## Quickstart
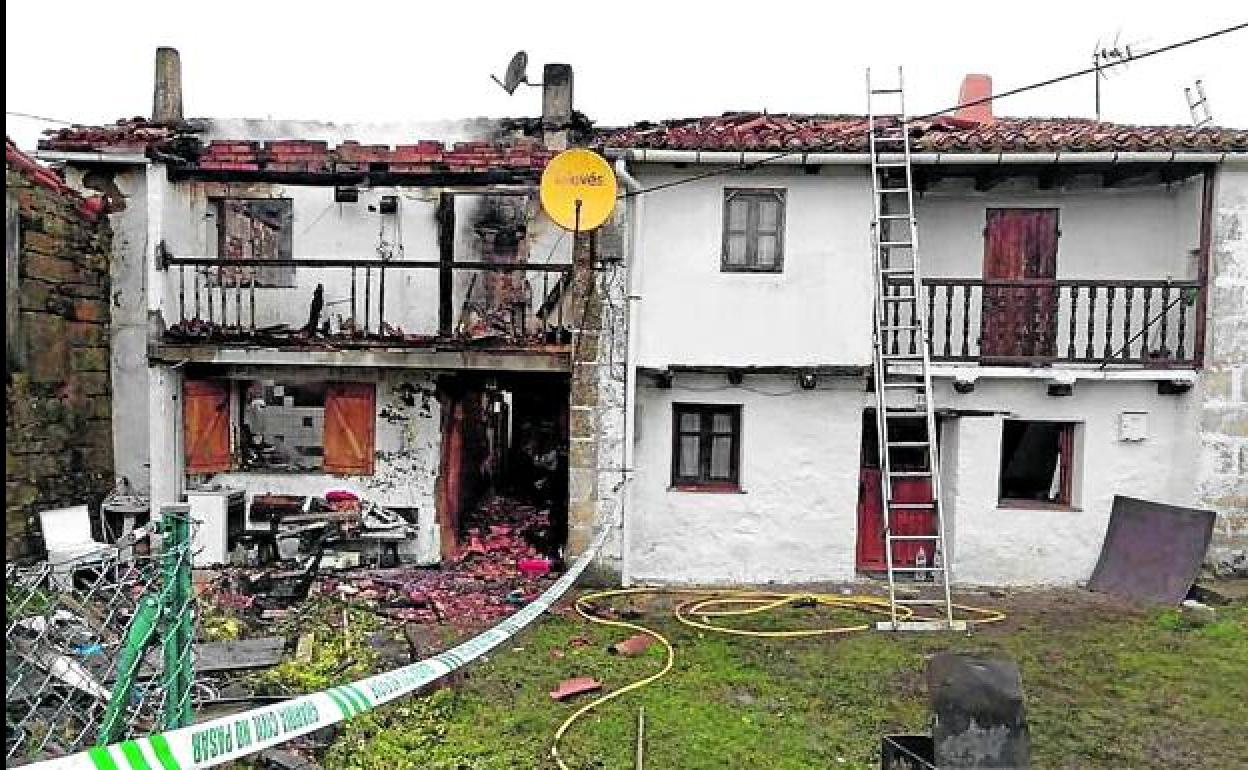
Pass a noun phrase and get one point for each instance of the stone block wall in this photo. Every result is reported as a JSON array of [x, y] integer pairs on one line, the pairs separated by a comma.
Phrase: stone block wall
[[58, 425], [1223, 484]]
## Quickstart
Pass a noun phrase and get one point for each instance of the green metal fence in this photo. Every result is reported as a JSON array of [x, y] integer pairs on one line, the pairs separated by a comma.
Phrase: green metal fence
[[99, 648]]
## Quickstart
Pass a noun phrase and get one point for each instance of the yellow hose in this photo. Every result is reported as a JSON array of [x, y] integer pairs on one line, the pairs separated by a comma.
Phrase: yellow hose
[[721, 604]]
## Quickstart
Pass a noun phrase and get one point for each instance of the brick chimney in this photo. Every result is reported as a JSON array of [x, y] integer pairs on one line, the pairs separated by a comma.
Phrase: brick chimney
[[167, 89], [556, 105], [974, 88]]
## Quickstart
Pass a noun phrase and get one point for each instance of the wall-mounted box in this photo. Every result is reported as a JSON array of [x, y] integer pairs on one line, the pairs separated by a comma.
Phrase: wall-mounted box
[[1133, 426]]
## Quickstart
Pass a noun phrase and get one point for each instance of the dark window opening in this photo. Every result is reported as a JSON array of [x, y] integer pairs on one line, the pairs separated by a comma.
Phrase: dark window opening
[[1036, 462], [904, 458], [753, 231], [282, 426], [254, 229], [706, 446]]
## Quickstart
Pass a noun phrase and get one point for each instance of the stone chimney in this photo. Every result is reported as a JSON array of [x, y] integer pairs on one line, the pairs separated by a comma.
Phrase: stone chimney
[[167, 90], [556, 105], [974, 88]]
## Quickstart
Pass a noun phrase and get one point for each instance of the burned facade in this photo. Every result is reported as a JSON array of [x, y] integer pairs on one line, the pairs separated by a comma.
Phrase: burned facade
[[305, 308]]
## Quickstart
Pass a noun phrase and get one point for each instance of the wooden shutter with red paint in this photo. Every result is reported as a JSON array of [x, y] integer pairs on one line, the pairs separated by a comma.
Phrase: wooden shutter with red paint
[[350, 418], [1020, 293], [206, 425]]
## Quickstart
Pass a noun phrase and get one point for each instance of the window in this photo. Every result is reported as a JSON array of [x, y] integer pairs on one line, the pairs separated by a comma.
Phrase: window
[[753, 230], [1037, 463], [254, 229], [305, 427], [706, 446]]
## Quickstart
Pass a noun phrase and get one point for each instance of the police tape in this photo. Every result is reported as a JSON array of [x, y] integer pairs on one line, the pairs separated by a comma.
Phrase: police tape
[[228, 738]]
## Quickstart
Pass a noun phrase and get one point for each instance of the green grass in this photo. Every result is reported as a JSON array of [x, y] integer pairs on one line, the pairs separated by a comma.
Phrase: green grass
[[1106, 687]]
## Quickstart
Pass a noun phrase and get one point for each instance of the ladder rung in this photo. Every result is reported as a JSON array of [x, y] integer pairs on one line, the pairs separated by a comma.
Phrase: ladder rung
[[903, 356], [917, 506], [899, 298], [893, 189], [886, 91], [898, 328], [921, 602], [904, 385], [918, 569], [910, 474], [907, 443], [907, 244], [921, 625], [894, 216], [892, 164]]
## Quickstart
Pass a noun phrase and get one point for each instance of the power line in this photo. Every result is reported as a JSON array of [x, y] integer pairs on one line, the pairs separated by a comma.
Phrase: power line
[[39, 117], [1042, 84]]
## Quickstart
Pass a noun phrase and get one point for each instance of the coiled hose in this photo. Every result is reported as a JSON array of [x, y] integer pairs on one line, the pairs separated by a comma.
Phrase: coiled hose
[[697, 613]]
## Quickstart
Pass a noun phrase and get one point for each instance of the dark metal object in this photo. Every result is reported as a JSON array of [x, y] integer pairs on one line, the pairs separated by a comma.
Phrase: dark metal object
[[1152, 551], [906, 752], [978, 713]]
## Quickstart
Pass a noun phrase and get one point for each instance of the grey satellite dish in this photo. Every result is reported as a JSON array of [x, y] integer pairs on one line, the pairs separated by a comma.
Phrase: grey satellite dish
[[515, 73]]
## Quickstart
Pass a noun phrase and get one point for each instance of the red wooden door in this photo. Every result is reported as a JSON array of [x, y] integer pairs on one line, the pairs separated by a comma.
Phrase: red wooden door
[[1019, 319], [870, 549]]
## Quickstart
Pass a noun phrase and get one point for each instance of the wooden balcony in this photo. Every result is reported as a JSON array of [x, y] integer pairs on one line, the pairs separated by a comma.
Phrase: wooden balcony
[[1110, 322]]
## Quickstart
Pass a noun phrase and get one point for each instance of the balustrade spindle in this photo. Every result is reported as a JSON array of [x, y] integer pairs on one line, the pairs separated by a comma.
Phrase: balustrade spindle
[[208, 291], [1074, 315], [1165, 321], [251, 290], [238, 299], [195, 275], [1091, 353], [1109, 321], [966, 320], [1126, 323], [948, 320], [182, 292], [931, 314], [381, 300], [1148, 299], [354, 322], [368, 295], [221, 291], [1181, 353]]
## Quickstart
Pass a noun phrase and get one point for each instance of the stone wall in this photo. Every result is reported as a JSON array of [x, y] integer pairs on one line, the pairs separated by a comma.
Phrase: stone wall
[[1224, 421], [58, 434]]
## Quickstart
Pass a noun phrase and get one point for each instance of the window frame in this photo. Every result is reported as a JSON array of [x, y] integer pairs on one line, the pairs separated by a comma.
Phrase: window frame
[[276, 277], [706, 434], [1067, 446], [753, 195]]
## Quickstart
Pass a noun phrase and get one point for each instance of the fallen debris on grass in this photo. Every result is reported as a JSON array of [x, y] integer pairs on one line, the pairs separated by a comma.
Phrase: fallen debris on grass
[[570, 688]]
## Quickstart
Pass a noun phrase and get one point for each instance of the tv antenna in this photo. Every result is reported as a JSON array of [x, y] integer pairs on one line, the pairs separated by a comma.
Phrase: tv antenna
[[1198, 106], [515, 74], [1107, 59]]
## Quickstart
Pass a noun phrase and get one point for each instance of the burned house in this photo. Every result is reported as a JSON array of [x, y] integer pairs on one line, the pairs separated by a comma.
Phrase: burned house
[[378, 311], [302, 308]]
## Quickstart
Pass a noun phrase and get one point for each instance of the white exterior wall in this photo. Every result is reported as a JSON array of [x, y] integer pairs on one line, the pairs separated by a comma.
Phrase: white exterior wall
[[1128, 232], [817, 311], [408, 453], [995, 545], [795, 519]]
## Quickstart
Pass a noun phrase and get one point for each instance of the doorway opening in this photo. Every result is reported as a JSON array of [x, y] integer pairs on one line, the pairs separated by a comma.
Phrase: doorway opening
[[504, 467]]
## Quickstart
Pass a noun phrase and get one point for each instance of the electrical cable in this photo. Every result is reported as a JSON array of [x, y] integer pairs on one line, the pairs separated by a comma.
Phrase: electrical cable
[[39, 117], [698, 610], [995, 97]]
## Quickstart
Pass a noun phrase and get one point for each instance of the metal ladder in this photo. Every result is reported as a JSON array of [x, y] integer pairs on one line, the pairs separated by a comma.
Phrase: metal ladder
[[903, 382]]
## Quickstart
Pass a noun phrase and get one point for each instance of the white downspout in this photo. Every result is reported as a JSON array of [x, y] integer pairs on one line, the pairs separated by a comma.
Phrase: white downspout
[[632, 293]]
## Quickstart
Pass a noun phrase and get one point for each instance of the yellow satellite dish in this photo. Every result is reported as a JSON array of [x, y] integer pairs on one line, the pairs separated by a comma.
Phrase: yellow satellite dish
[[578, 190]]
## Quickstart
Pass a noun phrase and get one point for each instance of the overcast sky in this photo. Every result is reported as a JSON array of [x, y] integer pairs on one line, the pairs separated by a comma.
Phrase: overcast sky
[[92, 62]]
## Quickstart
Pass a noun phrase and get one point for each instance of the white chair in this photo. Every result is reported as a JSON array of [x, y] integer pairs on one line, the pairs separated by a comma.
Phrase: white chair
[[67, 539]]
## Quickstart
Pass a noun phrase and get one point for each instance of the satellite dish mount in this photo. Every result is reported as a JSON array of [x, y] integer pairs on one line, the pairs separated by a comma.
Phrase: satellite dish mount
[[515, 74]]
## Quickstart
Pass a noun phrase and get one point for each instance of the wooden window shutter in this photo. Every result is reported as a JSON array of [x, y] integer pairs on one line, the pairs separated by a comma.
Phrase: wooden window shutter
[[206, 425], [350, 419]]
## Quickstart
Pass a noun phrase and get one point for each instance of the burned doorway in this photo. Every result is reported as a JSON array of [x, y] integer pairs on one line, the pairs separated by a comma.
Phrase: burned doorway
[[870, 555], [504, 468]]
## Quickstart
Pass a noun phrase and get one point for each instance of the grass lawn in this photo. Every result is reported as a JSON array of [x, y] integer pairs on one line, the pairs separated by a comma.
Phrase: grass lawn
[[1107, 686]]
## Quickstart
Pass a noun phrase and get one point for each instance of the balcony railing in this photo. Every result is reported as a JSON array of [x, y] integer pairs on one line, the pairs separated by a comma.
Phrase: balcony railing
[[365, 302], [1115, 322]]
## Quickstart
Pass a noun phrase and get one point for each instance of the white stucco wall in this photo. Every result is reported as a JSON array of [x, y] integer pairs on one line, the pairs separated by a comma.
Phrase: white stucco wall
[[1012, 546], [408, 453], [1127, 232], [795, 519], [817, 311]]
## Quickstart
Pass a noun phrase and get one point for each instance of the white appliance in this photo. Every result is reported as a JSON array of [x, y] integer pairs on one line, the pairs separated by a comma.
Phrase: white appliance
[[216, 515], [68, 541]]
